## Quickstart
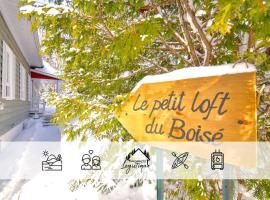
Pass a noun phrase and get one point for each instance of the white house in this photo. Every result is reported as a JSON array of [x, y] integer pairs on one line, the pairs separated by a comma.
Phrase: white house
[[20, 68]]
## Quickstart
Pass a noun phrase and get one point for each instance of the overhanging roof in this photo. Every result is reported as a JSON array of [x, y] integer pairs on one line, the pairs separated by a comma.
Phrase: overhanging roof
[[41, 75], [47, 72], [27, 41]]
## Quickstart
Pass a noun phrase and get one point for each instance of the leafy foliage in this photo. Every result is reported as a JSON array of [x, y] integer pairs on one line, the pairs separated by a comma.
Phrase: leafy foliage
[[107, 46], [260, 188]]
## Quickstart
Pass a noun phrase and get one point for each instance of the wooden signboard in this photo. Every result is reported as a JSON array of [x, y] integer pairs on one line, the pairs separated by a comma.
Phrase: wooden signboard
[[195, 104]]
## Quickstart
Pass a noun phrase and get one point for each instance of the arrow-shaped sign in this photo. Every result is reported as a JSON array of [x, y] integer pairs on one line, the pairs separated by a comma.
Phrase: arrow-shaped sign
[[194, 104]]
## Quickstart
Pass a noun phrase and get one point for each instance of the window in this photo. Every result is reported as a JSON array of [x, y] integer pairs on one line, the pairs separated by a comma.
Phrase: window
[[9, 68], [22, 83], [29, 88]]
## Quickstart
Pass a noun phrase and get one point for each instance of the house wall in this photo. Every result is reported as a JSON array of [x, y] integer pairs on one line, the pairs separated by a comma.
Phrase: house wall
[[15, 111]]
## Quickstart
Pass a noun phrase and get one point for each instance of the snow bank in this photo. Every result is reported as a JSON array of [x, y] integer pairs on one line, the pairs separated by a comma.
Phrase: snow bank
[[197, 72]]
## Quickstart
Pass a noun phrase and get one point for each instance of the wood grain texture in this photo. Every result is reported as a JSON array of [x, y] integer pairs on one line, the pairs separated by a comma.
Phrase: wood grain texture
[[239, 122]]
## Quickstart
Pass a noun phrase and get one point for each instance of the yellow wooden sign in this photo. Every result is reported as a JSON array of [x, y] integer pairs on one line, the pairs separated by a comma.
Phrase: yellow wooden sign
[[196, 104]]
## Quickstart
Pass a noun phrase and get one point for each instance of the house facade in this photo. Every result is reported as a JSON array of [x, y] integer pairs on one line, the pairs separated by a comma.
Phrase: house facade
[[19, 51]]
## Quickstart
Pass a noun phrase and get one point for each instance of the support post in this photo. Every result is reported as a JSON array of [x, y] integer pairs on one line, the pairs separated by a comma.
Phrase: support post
[[227, 188], [228, 183], [160, 180]]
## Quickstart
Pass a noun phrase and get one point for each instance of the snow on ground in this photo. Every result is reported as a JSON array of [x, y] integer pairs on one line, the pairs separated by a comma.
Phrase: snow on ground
[[59, 189], [33, 131], [37, 132], [44, 188]]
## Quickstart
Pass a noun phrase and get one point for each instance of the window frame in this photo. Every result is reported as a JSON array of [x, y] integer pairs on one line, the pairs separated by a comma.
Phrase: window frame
[[22, 83], [8, 73], [30, 86]]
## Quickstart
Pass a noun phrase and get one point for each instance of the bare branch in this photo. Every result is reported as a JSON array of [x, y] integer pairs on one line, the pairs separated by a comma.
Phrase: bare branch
[[163, 69], [173, 50], [206, 43], [169, 43], [133, 73], [251, 40], [108, 30], [187, 34], [175, 33], [259, 94]]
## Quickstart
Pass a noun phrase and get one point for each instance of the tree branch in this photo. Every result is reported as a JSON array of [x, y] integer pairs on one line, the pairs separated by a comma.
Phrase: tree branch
[[169, 43], [177, 35], [133, 73], [163, 69], [251, 40], [206, 43], [108, 30], [167, 47], [187, 34]]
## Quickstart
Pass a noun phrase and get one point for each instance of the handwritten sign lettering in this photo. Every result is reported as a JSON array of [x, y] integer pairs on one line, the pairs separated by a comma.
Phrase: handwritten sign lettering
[[196, 109]]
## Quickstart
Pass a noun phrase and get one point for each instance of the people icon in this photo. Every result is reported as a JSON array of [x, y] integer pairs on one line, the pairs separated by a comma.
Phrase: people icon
[[86, 159], [90, 163], [96, 163]]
